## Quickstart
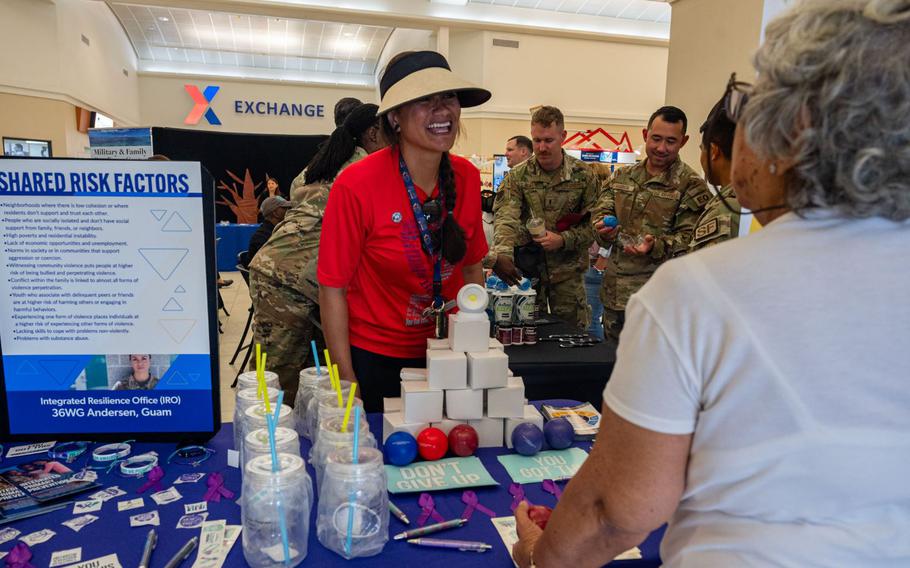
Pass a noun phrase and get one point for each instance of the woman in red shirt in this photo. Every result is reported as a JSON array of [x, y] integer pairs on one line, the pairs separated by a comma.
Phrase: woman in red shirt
[[402, 231]]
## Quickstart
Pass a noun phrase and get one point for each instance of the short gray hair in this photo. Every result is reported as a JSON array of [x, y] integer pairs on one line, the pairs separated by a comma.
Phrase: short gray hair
[[840, 71]]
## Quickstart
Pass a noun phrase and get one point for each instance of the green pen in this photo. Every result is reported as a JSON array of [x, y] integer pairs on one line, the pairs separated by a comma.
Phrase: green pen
[[430, 529]]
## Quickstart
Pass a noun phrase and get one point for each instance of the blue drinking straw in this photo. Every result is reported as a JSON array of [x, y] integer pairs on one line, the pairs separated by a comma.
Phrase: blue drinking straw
[[354, 460], [315, 356], [271, 423]]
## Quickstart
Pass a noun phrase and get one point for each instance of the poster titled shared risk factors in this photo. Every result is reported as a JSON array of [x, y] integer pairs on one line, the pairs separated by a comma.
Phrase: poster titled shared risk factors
[[103, 313]]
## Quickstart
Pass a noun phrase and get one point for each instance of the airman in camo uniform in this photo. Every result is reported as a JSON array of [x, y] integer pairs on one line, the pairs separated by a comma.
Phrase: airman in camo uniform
[[657, 202], [560, 190]]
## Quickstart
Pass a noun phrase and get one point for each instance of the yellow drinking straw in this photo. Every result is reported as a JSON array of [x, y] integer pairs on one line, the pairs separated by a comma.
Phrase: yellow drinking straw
[[258, 370], [328, 364], [265, 390], [338, 386], [347, 412]]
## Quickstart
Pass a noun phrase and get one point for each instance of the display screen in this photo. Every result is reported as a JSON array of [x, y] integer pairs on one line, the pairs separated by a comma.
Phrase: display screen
[[107, 310], [22, 147]]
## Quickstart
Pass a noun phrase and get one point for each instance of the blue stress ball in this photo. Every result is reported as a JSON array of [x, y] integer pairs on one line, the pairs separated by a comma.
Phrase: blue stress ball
[[527, 439], [610, 221], [400, 449], [559, 433]]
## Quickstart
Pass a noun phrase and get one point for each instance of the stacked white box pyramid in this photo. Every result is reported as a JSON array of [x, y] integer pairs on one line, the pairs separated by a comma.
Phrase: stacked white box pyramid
[[467, 381]]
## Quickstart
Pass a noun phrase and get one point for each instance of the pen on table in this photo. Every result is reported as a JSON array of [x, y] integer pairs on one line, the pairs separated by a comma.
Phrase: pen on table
[[399, 514], [182, 553], [429, 529], [467, 545], [150, 541]]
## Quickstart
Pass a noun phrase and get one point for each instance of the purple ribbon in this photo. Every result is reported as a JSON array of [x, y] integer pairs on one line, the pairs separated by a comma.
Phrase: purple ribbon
[[217, 489], [552, 488], [154, 480], [19, 556], [428, 510], [518, 495], [470, 499]]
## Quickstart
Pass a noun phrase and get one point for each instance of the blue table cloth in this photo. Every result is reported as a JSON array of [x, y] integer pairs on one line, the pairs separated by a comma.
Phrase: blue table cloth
[[112, 533], [232, 239]]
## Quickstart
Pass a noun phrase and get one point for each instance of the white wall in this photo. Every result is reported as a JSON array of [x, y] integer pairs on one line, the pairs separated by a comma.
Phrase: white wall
[[44, 55], [163, 101]]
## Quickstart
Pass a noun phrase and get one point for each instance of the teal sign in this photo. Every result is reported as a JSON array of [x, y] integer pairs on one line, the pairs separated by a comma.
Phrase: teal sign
[[553, 464], [452, 473]]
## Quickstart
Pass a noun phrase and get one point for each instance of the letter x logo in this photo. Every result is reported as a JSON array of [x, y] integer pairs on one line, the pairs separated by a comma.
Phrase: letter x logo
[[202, 101]]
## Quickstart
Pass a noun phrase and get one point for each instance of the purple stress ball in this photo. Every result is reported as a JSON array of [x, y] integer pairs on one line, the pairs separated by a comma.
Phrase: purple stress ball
[[527, 439], [400, 449], [610, 221], [559, 433]]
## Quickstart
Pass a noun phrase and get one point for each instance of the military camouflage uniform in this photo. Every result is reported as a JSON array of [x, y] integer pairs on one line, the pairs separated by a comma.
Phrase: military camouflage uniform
[[283, 284], [665, 206], [529, 191], [130, 383], [298, 191], [717, 223]]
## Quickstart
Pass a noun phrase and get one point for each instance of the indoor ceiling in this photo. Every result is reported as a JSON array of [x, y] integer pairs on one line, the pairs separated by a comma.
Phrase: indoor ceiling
[[639, 10]]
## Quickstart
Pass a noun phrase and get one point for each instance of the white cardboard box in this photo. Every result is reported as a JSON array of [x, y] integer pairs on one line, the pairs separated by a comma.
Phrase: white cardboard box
[[495, 344], [391, 404], [507, 402], [464, 404], [394, 422], [437, 343], [413, 374], [468, 335], [489, 431], [532, 416], [446, 369], [420, 403], [488, 370], [447, 424]]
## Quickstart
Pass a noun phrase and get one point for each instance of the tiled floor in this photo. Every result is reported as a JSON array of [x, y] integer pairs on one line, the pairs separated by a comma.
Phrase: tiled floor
[[237, 300]]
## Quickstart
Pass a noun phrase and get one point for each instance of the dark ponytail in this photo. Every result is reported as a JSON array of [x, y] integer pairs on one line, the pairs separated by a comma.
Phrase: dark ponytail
[[454, 246], [340, 146]]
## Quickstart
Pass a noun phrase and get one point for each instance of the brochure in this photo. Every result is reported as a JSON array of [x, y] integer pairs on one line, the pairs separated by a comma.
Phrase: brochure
[[37, 487]]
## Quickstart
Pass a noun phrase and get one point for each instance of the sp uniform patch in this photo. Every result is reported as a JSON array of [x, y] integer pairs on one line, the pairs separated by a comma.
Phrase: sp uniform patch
[[706, 230]]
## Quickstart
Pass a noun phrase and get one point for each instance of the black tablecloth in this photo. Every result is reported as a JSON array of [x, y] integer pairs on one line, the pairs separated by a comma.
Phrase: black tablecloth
[[550, 371]]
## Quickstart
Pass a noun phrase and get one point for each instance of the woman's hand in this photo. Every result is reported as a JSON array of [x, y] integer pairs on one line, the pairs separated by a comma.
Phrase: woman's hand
[[528, 535]]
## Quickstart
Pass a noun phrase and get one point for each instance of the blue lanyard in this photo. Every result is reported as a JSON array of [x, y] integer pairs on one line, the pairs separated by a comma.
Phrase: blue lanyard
[[423, 226]]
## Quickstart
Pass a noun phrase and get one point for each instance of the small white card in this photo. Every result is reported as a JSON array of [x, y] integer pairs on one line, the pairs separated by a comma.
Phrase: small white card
[[64, 557], [169, 495], [189, 478], [115, 491], [8, 534], [130, 504], [89, 506], [142, 519], [34, 538], [199, 507], [192, 521], [233, 458], [86, 475], [107, 494], [109, 561], [29, 449], [78, 523]]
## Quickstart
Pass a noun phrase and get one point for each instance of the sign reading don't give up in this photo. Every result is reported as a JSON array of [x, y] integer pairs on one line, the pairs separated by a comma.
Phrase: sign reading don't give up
[[452, 473]]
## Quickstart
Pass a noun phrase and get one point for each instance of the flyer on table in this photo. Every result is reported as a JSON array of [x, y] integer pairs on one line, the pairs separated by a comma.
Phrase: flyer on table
[[104, 323]]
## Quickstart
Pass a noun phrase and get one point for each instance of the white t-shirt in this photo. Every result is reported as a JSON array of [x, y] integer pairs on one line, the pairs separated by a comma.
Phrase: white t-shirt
[[786, 354]]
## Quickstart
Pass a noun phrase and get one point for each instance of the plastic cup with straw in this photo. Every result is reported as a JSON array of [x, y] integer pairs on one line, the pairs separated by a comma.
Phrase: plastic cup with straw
[[263, 389], [347, 412], [354, 459], [315, 356], [271, 423], [338, 386]]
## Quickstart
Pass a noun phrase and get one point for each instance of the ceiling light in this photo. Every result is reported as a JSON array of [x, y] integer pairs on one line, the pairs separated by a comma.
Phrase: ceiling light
[[450, 2], [163, 19], [344, 44]]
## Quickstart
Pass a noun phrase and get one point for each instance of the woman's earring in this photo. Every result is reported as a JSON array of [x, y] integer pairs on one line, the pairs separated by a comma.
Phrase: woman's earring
[[773, 169]]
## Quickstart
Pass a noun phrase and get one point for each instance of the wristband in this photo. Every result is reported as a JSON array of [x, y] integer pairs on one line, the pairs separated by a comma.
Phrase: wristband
[[138, 466], [68, 451], [111, 452], [190, 455]]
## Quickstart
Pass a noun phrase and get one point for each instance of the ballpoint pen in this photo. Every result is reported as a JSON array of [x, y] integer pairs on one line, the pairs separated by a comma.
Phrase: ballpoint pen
[[467, 545], [182, 553], [430, 529], [150, 541], [399, 514]]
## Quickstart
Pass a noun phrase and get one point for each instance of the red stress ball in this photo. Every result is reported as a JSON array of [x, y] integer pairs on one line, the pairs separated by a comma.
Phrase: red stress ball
[[540, 515], [463, 440], [432, 444]]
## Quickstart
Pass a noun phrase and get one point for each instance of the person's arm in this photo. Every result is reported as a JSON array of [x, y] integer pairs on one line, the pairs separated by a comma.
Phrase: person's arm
[[676, 241], [333, 306], [629, 486], [473, 274], [508, 232], [604, 236]]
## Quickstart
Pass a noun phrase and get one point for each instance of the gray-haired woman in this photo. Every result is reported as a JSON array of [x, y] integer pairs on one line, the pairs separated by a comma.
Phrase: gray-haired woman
[[760, 398]]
